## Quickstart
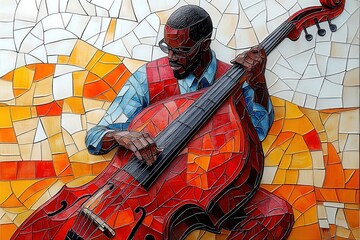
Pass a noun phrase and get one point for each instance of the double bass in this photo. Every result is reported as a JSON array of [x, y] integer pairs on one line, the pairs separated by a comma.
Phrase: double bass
[[172, 197]]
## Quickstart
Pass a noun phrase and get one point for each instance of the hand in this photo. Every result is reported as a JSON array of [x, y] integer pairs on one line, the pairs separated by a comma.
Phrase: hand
[[254, 62], [141, 144]]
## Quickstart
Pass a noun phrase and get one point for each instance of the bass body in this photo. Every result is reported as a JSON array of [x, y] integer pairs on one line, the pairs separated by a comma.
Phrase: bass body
[[200, 188]]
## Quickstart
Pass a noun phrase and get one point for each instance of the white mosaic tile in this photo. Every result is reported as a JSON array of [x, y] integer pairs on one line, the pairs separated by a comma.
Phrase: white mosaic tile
[[106, 4], [232, 7], [71, 122], [227, 28], [142, 52], [40, 53], [27, 10], [141, 9], [57, 35], [63, 47], [274, 9], [40, 134], [63, 86], [156, 5], [127, 11], [269, 174], [93, 28], [78, 24], [144, 30], [6, 90], [7, 10], [55, 21]]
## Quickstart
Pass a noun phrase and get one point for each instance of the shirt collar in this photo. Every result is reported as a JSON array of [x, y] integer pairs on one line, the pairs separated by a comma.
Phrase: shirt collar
[[209, 73]]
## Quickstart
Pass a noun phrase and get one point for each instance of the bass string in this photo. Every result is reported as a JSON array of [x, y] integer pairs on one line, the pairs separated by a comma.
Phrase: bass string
[[117, 172], [268, 44], [114, 198]]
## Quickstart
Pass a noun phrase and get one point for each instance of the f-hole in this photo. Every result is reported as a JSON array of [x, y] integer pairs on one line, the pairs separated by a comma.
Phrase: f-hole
[[63, 206], [133, 231]]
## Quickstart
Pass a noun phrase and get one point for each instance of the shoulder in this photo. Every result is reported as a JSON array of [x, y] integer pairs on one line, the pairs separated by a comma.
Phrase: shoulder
[[161, 62]]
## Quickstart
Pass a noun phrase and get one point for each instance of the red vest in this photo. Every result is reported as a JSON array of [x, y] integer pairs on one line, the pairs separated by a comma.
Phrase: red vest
[[161, 80]]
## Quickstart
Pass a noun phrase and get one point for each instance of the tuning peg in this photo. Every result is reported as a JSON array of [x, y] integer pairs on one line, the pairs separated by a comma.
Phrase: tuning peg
[[320, 31], [332, 26], [308, 36]]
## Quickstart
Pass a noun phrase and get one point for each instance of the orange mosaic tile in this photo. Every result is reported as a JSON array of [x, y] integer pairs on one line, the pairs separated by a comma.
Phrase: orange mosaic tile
[[43, 71], [73, 105], [309, 232], [50, 109], [7, 135], [7, 230]]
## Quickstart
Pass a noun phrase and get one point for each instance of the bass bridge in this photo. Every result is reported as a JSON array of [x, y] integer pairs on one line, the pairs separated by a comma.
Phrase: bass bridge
[[94, 219]]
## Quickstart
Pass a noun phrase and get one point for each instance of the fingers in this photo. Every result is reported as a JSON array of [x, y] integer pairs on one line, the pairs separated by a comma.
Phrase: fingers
[[142, 145]]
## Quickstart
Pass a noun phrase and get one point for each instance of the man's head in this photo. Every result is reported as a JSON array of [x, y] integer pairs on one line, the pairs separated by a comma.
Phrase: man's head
[[187, 40]]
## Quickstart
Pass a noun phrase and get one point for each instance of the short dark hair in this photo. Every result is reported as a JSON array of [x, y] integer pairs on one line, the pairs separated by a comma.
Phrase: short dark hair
[[193, 17]]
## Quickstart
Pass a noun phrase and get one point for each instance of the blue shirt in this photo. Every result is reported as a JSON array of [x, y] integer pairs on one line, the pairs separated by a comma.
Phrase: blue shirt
[[134, 97]]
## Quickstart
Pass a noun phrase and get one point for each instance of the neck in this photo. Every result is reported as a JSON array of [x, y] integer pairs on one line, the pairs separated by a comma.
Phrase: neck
[[204, 63]]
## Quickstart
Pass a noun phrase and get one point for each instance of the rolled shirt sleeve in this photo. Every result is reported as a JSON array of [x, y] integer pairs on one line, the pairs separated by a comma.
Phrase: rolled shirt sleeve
[[132, 98], [261, 117]]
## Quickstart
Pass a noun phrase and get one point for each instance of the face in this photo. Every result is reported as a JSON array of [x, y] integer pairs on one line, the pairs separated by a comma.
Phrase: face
[[184, 54]]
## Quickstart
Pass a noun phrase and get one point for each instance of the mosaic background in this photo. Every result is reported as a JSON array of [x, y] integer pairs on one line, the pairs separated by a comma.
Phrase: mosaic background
[[58, 60]]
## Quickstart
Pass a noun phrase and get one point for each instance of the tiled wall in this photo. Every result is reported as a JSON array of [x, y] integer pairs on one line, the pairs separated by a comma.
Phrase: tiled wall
[[58, 60]]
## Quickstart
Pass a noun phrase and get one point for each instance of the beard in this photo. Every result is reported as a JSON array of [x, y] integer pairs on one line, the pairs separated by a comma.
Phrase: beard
[[194, 63]]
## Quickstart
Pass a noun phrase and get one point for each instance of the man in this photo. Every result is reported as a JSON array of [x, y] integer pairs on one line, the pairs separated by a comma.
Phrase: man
[[189, 66]]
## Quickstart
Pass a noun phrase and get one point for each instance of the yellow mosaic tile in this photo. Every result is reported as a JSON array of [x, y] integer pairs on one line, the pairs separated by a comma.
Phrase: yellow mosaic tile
[[21, 217], [73, 105], [20, 186], [291, 176], [301, 161], [310, 216], [285, 161], [23, 78], [297, 145], [5, 119], [110, 58], [274, 157], [301, 125], [51, 124], [110, 33], [6, 191], [102, 69], [315, 119], [82, 54], [20, 113], [57, 144], [80, 181], [279, 176], [98, 54], [79, 78]]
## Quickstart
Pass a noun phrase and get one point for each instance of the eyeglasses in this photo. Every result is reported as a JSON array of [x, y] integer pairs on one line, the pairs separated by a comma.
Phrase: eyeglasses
[[180, 50]]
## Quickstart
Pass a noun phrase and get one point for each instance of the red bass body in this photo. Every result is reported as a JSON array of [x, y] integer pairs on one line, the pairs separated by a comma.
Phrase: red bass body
[[213, 176]]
